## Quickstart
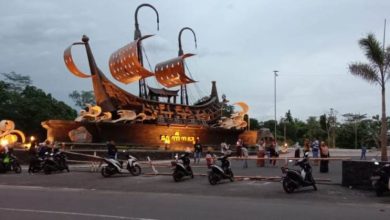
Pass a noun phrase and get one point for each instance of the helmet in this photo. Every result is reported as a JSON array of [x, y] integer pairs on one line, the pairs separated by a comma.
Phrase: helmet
[[306, 154]]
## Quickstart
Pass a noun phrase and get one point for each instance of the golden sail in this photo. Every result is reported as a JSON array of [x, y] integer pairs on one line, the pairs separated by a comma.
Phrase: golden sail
[[124, 63], [171, 73], [70, 64]]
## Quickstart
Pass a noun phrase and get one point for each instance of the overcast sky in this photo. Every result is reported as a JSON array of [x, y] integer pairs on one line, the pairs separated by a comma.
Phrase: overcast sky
[[240, 43]]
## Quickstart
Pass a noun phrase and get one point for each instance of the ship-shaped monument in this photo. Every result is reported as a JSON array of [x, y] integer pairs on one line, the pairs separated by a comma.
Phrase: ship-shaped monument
[[155, 117]]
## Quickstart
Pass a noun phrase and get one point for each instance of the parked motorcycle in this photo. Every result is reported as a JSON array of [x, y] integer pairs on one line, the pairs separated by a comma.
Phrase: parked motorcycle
[[219, 173], [54, 162], [380, 179], [9, 163], [36, 165], [181, 169], [294, 179], [115, 166]]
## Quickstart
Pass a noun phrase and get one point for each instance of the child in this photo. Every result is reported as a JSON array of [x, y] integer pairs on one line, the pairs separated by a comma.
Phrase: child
[[209, 159]]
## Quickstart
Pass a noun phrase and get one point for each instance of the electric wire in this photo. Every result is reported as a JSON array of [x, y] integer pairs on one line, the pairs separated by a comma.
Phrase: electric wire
[[199, 91], [155, 83]]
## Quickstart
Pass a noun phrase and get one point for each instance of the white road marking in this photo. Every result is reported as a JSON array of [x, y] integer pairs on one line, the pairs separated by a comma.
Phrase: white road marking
[[72, 213]]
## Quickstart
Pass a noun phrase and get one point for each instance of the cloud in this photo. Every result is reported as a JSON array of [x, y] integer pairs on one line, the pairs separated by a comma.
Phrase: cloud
[[311, 43]]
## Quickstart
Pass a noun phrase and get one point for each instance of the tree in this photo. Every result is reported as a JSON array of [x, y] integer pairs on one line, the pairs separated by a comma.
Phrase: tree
[[314, 129], [355, 120], [331, 126], [254, 124], [35, 102], [345, 135], [325, 125], [82, 98], [16, 82], [28, 106], [289, 117], [270, 124], [376, 72], [370, 130]]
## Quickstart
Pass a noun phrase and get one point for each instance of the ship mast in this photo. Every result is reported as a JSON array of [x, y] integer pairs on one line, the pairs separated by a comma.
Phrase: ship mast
[[183, 88], [137, 35]]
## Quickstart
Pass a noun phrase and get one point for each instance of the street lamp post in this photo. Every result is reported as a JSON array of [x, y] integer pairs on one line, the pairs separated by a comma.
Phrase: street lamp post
[[284, 132], [275, 75]]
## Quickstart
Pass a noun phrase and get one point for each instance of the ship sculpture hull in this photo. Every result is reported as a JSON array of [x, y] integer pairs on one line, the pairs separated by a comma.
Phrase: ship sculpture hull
[[146, 135]]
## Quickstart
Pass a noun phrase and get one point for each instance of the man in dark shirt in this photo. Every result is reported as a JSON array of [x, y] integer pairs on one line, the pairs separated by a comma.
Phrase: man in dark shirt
[[112, 150], [197, 151]]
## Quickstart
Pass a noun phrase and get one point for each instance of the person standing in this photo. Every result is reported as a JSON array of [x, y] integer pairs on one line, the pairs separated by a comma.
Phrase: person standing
[[224, 148], [260, 154], [209, 159], [315, 147], [32, 153], [112, 151], [197, 151], [297, 152], [238, 147], [43, 148], [306, 146], [245, 155], [272, 153], [324, 152], [363, 152]]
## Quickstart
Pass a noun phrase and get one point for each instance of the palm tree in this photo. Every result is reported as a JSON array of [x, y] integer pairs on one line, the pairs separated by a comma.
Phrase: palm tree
[[375, 72]]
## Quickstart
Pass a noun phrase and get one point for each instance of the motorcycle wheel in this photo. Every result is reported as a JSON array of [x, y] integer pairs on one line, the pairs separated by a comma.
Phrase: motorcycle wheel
[[2, 168], [288, 186], [177, 175], [135, 170], [17, 168], [378, 190], [213, 178], [36, 169], [314, 184], [47, 170], [105, 172], [231, 176]]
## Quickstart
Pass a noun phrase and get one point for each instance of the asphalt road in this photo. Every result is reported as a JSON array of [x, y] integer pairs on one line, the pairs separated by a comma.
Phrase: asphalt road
[[86, 195], [69, 203]]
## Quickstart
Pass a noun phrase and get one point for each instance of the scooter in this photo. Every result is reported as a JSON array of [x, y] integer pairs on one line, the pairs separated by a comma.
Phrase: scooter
[[115, 166], [10, 163], [54, 162], [181, 169], [294, 179], [380, 179], [218, 173], [37, 164]]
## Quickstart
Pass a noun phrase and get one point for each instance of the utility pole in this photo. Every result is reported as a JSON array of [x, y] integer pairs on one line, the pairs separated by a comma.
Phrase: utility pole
[[275, 75], [384, 36], [284, 125]]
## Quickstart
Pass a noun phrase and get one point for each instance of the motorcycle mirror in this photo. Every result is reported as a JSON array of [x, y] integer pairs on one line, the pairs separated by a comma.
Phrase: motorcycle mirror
[[375, 161]]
